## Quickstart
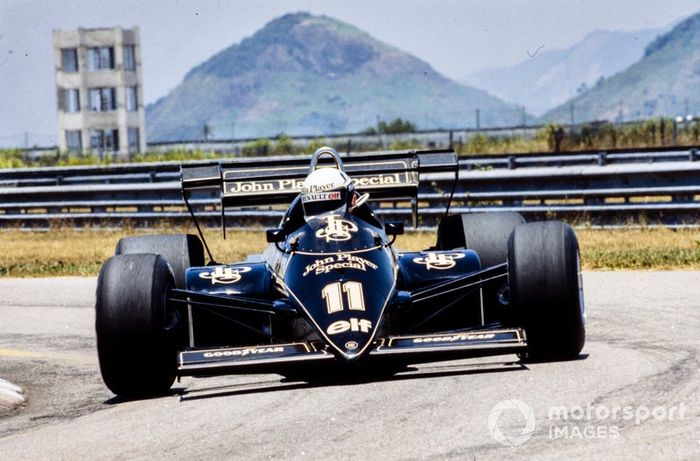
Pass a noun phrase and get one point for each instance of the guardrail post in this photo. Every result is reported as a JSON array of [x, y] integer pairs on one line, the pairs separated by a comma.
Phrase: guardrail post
[[693, 155], [512, 162], [602, 158], [675, 132]]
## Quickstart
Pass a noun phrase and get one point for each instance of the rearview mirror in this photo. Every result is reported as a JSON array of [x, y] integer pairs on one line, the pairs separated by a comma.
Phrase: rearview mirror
[[275, 235], [393, 227]]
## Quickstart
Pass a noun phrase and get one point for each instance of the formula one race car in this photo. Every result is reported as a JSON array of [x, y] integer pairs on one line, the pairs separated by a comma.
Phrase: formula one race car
[[331, 293]]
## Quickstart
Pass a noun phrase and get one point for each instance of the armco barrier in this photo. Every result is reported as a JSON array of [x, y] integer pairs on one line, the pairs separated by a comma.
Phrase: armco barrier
[[661, 187]]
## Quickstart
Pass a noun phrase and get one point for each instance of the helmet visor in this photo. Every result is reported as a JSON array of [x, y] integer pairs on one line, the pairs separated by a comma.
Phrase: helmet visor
[[321, 203]]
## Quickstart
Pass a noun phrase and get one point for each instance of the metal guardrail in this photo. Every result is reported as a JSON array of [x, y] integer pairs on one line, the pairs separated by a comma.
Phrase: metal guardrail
[[169, 171], [654, 186]]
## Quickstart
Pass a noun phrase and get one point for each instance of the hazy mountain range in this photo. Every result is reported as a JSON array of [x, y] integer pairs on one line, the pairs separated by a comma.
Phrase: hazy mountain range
[[552, 76], [313, 75], [306, 74], [664, 82]]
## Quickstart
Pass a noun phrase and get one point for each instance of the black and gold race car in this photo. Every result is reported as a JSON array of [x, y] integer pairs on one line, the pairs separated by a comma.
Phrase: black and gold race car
[[332, 293]]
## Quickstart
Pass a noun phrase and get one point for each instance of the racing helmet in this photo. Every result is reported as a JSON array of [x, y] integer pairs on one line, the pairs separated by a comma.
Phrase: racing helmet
[[326, 191]]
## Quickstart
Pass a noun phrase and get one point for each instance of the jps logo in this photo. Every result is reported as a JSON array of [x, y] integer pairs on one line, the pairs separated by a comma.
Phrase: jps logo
[[341, 326], [224, 275], [336, 230], [439, 261]]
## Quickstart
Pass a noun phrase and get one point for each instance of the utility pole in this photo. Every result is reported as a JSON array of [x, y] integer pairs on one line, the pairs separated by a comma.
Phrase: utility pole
[[206, 131], [622, 114], [571, 109], [478, 119]]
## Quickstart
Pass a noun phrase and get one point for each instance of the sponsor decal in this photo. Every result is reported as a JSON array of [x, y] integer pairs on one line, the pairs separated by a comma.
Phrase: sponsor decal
[[339, 261], [244, 352], [356, 325], [453, 338], [351, 345], [317, 188], [224, 275], [256, 187], [320, 196], [336, 230], [296, 185], [378, 180], [439, 261]]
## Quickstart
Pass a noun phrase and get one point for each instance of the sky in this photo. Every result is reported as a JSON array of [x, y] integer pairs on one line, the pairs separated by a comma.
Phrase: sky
[[457, 37]]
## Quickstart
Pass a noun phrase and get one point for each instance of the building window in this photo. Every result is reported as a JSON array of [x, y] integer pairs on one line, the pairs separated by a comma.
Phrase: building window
[[129, 58], [69, 60], [104, 140], [74, 142], [100, 58], [71, 100], [134, 145], [102, 99], [132, 102]]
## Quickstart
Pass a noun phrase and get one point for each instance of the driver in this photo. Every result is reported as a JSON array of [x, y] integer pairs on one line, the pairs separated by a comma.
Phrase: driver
[[327, 191]]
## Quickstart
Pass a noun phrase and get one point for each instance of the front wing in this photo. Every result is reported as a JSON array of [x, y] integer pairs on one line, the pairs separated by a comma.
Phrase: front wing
[[403, 350]]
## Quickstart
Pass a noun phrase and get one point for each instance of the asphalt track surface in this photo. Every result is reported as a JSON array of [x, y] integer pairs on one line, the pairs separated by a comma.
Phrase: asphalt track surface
[[640, 362]]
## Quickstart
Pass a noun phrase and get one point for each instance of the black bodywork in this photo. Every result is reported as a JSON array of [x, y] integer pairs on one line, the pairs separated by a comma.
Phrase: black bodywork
[[334, 291]]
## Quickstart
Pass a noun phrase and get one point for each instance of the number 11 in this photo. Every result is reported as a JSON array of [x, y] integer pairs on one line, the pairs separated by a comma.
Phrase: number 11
[[333, 295]]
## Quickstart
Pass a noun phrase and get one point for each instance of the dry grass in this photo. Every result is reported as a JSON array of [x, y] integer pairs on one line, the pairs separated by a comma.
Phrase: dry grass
[[645, 248], [81, 252]]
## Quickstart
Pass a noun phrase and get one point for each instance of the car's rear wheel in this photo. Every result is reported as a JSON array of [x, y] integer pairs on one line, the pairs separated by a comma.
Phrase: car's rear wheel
[[136, 346], [485, 233], [544, 273], [181, 251]]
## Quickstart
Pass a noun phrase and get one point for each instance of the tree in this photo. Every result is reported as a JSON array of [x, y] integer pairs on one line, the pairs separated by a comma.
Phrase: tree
[[397, 125]]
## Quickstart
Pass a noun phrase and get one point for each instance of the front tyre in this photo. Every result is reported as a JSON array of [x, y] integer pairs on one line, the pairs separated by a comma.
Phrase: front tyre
[[181, 251], [136, 350], [544, 273], [485, 233]]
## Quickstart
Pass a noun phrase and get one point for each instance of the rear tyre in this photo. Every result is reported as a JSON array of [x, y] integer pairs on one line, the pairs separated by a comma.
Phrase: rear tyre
[[485, 233], [544, 273], [179, 250], [136, 349]]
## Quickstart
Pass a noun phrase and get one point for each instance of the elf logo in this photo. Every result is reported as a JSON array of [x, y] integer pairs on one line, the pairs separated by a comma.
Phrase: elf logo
[[356, 325]]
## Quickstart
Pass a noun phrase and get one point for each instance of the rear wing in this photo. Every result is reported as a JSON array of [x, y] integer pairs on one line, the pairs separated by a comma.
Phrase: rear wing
[[386, 176]]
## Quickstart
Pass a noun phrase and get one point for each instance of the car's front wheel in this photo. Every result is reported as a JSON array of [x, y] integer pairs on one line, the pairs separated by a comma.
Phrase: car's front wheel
[[485, 233], [181, 251], [546, 292], [136, 346]]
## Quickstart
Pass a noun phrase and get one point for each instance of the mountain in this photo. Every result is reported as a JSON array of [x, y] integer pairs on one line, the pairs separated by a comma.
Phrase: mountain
[[551, 77], [313, 75], [662, 83]]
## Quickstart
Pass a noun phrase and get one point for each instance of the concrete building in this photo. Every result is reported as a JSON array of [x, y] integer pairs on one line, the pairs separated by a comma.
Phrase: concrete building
[[100, 92]]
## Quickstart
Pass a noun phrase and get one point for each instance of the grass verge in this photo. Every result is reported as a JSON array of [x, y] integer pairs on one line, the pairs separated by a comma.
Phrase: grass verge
[[61, 252]]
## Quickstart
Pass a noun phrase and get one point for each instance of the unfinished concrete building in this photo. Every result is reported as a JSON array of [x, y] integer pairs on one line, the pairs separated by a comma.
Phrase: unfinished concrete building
[[100, 92]]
